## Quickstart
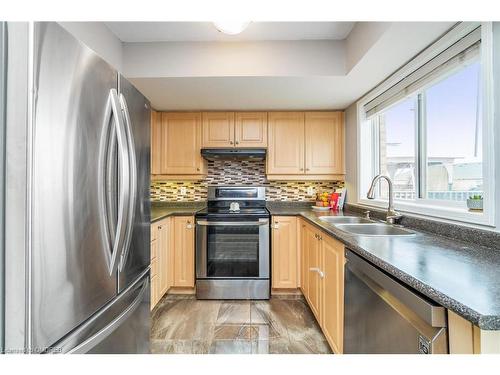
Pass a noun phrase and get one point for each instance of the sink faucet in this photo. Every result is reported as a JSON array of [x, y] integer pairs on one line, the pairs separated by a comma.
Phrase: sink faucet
[[392, 215]]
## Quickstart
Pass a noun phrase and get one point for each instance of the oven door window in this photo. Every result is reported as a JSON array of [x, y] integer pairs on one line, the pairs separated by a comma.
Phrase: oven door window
[[233, 251]]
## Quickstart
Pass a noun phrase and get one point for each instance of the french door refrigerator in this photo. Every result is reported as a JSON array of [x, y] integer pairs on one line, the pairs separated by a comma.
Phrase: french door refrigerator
[[86, 274]]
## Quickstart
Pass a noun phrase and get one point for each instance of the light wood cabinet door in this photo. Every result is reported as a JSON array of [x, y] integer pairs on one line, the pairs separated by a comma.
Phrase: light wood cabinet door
[[332, 313], [286, 143], [314, 279], [324, 135], [250, 129], [284, 252], [155, 142], [163, 256], [305, 233], [181, 143], [154, 291], [184, 251], [218, 129]]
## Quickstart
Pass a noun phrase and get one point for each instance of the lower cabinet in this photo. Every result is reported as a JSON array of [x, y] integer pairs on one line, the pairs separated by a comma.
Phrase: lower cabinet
[[332, 295], [184, 251], [284, 252], [172, 255], [161, 259], [322, 281]]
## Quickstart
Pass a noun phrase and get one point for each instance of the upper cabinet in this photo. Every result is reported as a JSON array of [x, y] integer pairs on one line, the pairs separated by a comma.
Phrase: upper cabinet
[[250, 129], [176, 145], [218, 129], [306, 146], [324, 142], [155, 142], [286, 143], [230, 129], [300, 145]]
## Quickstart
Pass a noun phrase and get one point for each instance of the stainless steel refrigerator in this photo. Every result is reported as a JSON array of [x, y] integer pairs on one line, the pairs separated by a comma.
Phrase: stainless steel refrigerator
[[82, 255]]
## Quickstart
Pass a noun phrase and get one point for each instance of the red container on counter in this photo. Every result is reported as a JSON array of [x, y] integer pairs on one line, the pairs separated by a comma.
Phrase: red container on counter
[[334, 201]]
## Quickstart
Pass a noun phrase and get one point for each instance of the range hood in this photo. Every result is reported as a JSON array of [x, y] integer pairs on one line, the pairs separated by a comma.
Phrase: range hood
[[233, 153]]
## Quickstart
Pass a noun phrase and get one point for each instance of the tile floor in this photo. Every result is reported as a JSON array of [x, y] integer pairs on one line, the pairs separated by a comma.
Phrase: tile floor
[[182, 324]]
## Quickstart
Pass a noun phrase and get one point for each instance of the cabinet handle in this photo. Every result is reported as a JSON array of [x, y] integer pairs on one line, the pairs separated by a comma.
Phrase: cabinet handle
[[237, 142], [198, 169], [230, 142], [301, 169], [320, 273], [307, 169]]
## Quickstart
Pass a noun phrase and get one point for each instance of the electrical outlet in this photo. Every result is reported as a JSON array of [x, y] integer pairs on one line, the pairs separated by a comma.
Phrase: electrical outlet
[[310, 190], [183, 190]]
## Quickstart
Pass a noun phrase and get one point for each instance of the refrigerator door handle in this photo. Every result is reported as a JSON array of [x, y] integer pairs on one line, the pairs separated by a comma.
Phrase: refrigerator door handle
[[95, 339], [133, 182], [114, 246]]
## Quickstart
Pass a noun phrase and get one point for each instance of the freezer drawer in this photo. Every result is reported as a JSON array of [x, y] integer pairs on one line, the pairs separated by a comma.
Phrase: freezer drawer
[[122, 327], [384, 317]]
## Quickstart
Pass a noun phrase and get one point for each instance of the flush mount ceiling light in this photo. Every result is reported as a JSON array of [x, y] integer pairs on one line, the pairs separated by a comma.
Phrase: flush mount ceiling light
[[231, 27]]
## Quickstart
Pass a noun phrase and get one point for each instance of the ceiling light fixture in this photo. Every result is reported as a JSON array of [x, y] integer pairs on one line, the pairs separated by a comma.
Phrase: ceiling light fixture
[[231, 27]]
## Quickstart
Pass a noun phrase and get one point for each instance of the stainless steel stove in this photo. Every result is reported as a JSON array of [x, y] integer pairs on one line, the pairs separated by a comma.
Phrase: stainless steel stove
[[232, 244]]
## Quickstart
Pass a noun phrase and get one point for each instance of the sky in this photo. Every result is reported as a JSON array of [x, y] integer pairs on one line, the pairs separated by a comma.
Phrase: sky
[[451, 118]]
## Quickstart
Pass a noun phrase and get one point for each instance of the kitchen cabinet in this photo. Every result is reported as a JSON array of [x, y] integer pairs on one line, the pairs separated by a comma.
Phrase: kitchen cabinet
[[284, 252], [324, 137], [163, 255], [322, 281], [183, 251], [286, 143], [161, 259], [218, 129], [332, 313], [250, 129], [176, 146], [155, 142], [305, 234], [305, 146], [230, 129], [315, 284]]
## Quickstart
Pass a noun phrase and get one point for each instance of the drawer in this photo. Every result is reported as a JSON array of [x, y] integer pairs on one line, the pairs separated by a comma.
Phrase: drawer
[[154, 267], [154, 232], [154, 249]]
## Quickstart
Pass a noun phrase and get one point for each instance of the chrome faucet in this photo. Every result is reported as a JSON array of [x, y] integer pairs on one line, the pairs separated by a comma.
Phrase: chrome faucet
[[392, 215]]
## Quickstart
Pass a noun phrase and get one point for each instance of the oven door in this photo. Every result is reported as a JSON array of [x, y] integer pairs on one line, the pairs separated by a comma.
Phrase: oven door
[[232, 249]]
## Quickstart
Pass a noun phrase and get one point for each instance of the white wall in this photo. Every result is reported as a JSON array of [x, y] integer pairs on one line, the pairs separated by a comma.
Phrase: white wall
[[98, 37], [496, 116], [351, 153], [223, 59]]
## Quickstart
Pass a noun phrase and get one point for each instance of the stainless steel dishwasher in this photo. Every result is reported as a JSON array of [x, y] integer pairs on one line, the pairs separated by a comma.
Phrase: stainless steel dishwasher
[[383, 316]]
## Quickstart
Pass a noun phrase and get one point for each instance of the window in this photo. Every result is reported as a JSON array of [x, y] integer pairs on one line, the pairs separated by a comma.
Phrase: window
[[454, 136], [426, 133], [396, 148]]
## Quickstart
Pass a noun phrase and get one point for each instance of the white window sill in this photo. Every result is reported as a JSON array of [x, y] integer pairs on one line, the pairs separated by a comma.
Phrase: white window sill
[[448, 214]]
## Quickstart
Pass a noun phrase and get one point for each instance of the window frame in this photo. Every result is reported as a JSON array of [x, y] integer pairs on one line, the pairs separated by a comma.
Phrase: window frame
[[442, 209]]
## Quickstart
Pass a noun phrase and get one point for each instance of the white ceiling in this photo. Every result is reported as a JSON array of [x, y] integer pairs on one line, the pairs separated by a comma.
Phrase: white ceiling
[[206, 31]]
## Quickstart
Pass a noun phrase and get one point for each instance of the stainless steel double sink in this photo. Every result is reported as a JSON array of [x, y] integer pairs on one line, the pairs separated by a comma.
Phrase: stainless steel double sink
[[365, 227]]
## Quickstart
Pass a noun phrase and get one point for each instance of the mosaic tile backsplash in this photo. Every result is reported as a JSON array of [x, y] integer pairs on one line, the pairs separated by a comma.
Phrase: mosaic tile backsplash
[[234, 172]]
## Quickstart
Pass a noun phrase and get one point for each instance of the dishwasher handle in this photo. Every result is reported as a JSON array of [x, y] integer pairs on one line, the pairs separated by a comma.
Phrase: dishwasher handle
[[432, 313]]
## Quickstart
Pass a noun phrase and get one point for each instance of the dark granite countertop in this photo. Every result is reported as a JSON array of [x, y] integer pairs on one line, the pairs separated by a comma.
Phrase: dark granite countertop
[[461, 276], [161, 210]]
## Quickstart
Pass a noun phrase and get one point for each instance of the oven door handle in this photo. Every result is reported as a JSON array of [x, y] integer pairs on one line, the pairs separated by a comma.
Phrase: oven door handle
[[231, 223]]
